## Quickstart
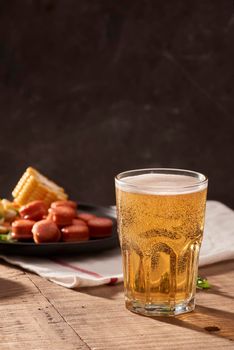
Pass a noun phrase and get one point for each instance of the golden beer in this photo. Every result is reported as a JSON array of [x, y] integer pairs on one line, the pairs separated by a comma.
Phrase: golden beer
[[160, 224]]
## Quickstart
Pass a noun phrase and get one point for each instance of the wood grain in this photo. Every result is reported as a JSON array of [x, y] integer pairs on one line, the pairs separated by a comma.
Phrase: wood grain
[[37, 314]]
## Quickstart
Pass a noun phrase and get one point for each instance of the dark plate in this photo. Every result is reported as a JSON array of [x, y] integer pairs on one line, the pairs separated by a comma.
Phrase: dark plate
[[48, 249]]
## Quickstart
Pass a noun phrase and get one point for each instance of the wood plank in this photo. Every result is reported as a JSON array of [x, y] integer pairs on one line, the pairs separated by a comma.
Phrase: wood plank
[[37, 314], [28, 320], [98, 315]]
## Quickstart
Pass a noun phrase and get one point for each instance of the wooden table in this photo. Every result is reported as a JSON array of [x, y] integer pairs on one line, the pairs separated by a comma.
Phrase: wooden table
[[38, 314]]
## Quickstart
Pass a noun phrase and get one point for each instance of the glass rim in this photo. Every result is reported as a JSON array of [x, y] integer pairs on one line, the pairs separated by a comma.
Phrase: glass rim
[[202, 179]]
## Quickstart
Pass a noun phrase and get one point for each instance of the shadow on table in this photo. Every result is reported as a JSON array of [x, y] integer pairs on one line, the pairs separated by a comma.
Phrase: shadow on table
[[217, 269], [104, 291], [208, 320], [218, 291], [10, 289]]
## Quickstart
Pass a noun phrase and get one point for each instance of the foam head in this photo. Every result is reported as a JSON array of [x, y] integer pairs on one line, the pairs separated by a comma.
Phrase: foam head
[[156, 183]]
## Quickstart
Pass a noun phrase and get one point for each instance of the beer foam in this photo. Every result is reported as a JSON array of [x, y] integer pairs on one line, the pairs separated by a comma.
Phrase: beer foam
[[155, 183]]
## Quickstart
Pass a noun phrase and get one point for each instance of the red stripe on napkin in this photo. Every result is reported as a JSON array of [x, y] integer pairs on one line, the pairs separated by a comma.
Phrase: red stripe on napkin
[[76, 268], [113, 280]]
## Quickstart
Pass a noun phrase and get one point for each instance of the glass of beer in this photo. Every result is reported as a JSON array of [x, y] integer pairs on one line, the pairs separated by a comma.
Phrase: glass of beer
[[160, 216]]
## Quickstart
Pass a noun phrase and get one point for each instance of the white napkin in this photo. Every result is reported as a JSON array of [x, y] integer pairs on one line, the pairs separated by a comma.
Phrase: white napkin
[[218, 240], [106, 267]]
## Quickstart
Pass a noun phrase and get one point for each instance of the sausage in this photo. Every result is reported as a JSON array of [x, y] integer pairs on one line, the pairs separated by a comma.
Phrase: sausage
[[75, 233], [78, 222], [45, 231], [86, 216], [34, 210], [100, 227], [28, 237], [62, 216], [71, 204], [22, 229]]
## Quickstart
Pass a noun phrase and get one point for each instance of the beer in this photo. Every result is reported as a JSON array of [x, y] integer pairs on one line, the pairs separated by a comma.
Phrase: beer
[[160, 224]]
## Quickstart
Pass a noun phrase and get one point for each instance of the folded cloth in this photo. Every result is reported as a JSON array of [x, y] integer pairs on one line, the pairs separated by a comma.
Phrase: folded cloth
[[218, 240], [75, 271], [106, 267]]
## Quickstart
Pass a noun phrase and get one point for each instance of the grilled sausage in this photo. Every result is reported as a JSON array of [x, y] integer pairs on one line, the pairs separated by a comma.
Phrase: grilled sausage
[[22, 229], [100, 227], [62, 216], [86, 216], [45, 231], [78, 222], [34, 210], [70, 204], [75, 233]]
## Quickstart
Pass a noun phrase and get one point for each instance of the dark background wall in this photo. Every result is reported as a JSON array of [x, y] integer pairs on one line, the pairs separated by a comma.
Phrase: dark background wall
[[92, 88]]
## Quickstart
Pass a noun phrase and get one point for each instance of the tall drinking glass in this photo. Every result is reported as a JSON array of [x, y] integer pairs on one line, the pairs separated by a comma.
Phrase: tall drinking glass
[[160, 224]]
